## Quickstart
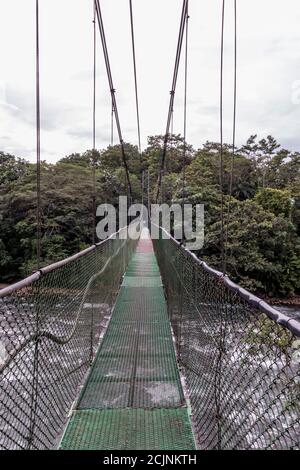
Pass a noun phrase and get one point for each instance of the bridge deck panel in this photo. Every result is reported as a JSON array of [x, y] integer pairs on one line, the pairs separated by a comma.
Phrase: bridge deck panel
[[129, 429]]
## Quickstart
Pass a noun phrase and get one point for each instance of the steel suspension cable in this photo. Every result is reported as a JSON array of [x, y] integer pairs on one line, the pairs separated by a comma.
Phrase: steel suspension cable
[[172, 94], [222, 324], [143, 184], [185, 105], [221, 138], [112, 125], [38, 143], [162, 191], [35, 371], [94, 128], [112, 91], [135, 79], [233, 135]]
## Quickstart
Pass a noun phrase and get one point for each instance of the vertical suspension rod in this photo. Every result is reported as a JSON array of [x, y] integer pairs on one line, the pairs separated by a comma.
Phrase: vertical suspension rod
[[38, 143], [112, 91], [172, 95]]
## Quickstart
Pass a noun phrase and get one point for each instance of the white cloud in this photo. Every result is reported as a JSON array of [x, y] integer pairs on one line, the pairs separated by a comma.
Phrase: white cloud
[[268, 65]]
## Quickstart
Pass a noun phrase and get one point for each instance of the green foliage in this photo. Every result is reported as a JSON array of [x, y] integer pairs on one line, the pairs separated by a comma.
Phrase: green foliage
[[261, 217], [12, 168], [174, 157], [277, 201], [266, 332], [263, 250], [205, 170]]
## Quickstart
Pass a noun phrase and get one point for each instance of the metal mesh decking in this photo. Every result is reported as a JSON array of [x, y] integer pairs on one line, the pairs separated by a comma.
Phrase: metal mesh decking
[[133, 397], [129, 429]]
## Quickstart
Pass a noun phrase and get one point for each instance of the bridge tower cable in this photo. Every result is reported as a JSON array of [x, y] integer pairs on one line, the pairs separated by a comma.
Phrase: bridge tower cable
[[185, 109], [222, 319], [135, 79], [113, 96], [172, 95], [148, 194], [94, 125], [38, 144], [221, 166], [35, 369], [143, 187], [112, 125], [171, 156], [233, 137]]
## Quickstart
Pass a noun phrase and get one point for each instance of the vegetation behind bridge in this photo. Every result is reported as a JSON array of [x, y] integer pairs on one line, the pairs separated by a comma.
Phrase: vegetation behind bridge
[[263, 224]]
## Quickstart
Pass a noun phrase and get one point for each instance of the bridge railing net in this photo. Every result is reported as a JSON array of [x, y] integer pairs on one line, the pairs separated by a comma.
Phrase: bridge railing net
[[49, 332], [241, 366]]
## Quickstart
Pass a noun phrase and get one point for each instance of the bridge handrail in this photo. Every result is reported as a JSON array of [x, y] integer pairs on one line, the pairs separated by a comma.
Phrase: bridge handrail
[[50, 325], [6, 291], [240, 357], [292, 324]]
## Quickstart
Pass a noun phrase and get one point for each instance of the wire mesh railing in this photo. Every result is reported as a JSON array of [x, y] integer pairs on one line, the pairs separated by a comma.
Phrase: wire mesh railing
[[50, 325], [240, 357]]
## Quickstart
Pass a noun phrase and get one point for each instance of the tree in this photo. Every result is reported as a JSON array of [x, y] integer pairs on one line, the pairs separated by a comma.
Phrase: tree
[[174, 161], [250, 148], [263, 224], [277, 201], [111, 158], [263, 250], [266, 150], [204, 170], [12, 169]]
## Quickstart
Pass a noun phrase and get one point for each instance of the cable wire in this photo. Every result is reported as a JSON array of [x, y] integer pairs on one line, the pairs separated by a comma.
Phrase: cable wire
[[112, 91], [222, 324], [35, 372], [112, 125], [185, 105], [135, 79], [233, 135], [221, 138], [38, 143], [94, 128], [172, 94]]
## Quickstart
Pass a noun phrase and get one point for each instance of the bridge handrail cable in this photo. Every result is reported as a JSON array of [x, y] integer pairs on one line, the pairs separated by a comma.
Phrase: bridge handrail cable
[[290, 323]]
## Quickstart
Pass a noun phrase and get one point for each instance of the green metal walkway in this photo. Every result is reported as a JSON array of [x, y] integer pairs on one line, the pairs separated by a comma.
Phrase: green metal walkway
[[133, 398]]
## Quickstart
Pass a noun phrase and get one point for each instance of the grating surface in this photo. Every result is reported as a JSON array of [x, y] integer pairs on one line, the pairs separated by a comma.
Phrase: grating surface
[[129, 429], [133, 397], [142, 281]]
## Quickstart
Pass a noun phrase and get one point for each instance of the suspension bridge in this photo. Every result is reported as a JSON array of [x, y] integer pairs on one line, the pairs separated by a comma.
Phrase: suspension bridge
[[138, 344]]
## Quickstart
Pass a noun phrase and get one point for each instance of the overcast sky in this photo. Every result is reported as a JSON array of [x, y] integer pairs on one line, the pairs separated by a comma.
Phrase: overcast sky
[[268, 72]]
